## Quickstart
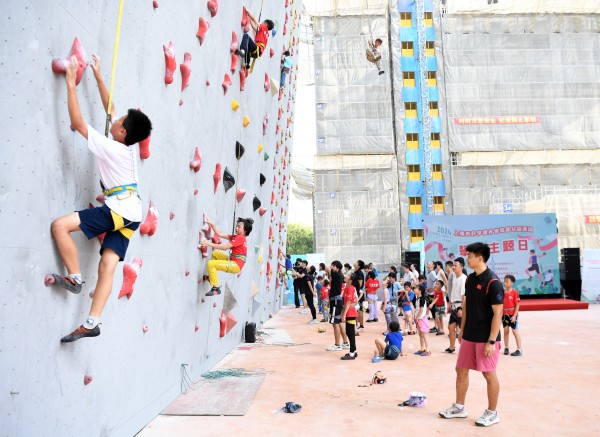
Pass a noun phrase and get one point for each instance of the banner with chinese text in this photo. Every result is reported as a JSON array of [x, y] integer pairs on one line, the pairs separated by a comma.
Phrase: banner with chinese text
[[522, 245]]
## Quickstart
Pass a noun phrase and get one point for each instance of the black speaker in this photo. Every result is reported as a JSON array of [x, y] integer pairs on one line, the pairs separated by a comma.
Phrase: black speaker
[[572, 288], [412, 258], [250, 332], [567, 252]]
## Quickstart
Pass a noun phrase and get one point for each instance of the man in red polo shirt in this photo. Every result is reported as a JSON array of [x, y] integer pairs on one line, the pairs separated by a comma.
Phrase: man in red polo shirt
[[250, 48]]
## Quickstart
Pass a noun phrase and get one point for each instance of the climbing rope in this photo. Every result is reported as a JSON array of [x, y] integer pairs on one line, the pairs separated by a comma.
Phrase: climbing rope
[[235, 372], [114, 69]]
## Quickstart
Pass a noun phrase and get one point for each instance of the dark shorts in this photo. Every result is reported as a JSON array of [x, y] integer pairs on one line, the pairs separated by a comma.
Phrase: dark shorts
[[100, 220], [507, 322], [439, 311], [391, 352], [335, 310], [534, 268], [454, 319]]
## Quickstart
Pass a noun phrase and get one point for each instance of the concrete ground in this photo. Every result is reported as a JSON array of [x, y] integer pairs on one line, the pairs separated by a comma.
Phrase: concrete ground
[[552, 390]]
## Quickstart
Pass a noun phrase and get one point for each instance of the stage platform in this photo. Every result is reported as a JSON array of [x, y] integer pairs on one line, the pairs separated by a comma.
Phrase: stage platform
[[552, 304]]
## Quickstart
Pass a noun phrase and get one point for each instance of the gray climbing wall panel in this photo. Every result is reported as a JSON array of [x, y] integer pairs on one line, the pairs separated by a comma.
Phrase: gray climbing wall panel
[[47, 171]]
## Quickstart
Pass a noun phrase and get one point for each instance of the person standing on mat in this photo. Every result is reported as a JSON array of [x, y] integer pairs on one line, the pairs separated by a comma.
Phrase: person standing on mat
[[479, 335]]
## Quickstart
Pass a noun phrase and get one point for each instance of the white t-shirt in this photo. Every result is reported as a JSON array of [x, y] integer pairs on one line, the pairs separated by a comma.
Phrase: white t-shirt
[[458, 288], [117, 165]]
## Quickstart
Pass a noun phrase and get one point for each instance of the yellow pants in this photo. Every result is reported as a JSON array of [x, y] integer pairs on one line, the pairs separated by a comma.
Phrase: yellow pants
[[220, 261]]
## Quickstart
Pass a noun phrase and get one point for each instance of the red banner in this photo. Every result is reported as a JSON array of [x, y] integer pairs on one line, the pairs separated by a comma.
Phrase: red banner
[[496, 120], [592, 219]]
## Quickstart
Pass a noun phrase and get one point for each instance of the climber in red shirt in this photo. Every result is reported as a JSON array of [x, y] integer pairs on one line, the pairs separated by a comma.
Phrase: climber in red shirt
[[254, 48]]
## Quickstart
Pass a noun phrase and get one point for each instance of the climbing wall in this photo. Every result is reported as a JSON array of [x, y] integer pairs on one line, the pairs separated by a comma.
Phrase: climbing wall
[[175, 62]]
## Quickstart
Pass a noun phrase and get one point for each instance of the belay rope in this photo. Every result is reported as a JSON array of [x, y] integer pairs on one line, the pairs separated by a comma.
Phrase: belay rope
[[114, 69]]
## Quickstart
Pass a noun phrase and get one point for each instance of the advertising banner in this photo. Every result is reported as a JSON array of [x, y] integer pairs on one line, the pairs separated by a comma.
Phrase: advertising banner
[[522, 245], [590, 276]]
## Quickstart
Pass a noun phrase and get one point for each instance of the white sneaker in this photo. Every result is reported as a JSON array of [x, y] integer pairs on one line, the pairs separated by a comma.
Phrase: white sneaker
[[454, 412], [488, 419], [313, 322], [334, 347], [345, 345], [361, 329]]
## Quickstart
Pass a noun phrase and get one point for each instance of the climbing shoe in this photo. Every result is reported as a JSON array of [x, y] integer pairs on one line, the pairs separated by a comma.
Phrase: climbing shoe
[[67, 282], [214, 291], [80, 333]]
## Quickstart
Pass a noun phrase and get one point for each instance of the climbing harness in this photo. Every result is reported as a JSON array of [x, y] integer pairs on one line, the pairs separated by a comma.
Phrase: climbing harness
[[114, 69], [131, 188]]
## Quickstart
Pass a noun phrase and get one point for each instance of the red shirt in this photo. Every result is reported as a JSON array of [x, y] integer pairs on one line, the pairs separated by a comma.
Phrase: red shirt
[[372, 285], [350, 296], [239, 249], [262, 37], [511, 299], [325, 292], [438, 298]]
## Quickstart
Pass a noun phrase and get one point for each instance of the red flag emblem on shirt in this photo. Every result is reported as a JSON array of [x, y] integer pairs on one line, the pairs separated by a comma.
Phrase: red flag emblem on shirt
[[479, 286]]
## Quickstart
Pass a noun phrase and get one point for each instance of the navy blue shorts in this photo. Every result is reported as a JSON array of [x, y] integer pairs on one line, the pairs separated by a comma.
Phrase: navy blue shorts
[[96, 221]]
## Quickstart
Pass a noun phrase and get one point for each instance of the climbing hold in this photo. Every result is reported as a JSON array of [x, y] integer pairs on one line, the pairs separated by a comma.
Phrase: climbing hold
[[60, 65], [196, 191], [239, 150], [87, 379], [217, 176], [272, 198], [145, 329], [186, 70], [274, 87], [277, 129], [100, 198], [171, 215], [229, 300], [272, 216], [203, 249], [239, 194], [234, 61], [226, 83], [242, 79], [208, 83], [231, 322], [270, 232], [234, 42], [255, 203], [203, 26], [267, 83], [260, 148], [187, 273], [145, 148], [266, 158], [213, 6], [271, 53], [245, 20], [262, 179], [216, 239], [207, 230], [245, 121], [91, 293], [285, 29], [130, 274], [196, 328], [222, 322], [280, 93], [234, 104], [196, 162], [228, 180], [151, 223], [262, 211], [170, 63], [214, 304], [204, 218]]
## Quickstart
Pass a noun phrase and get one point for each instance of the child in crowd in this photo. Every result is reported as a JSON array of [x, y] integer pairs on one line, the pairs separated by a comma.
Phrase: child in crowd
[[286, 66], [422, 322], [406, 305], [438, 306], [372, 285], [319, 287], [510, 317], [391, 348], [389, 306], [350, 315], [324, 302]]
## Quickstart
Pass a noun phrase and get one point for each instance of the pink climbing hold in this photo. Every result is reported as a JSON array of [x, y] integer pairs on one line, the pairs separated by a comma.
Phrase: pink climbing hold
[[151, 223], [280, 94], [60, 65], [203, 26], [216, 239], [270, 232], [272, 196], [195, 191], [285, 29], [239, 194], [186, 70], [262, 211], [145, 147], [213, 6], [222, 322], [145, 328], [187, 273], [271, 52], [279, 113], [207, 230], [270, 251], [234, 61], [196, 163], [87, 379], [242, 79], [287, 3], [245, 20], [267, 83], [170, 63], [196, 328], [208, 83], [226, 83], [171, 215], [204, 218], [217, 176], [130, 274], [234, 42], [231, 321], [277, 129]]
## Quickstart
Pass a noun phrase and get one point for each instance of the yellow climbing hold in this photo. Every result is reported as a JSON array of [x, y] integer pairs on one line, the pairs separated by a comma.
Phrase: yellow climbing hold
[[246, 121], [234, 105], [260, 148]]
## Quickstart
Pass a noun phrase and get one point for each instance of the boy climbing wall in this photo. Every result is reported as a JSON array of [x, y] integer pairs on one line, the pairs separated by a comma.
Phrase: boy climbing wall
[[250, 48], [373, 54], [219, 260], [121, 214]]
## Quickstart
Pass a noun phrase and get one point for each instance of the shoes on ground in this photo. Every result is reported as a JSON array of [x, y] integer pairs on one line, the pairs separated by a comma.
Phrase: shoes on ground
[[335, 347], [488, 418], [453, 412], [516, 353]]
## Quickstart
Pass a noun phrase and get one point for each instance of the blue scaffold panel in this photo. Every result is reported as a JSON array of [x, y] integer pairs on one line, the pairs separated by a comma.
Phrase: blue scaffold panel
[[409, 94], [408, 34], [428, 5], [436, 156], [413, 157], [411, 125], [431, 63], [415, 221], [414, 188], [436, 124], [430, 33], [434, 94], [406, 5], [408, 63], [439, 188]]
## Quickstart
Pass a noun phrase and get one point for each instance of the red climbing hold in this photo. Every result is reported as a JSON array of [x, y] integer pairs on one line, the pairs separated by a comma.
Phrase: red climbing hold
[[145, 147], [234, 61], [280, 94], [262, 211], [239, 194], [222, 323], [145, 328], [285, 29], [213, 6], [203, 26], [196, 328], [270, 232], [242, 79], [130, 274], [272, 196], [270, 252], [171, 215], [216, 239], [208, 83], [277, 129], [245, 20], [203, 249], [60, 65], [226, 83], [207, 230], [87, 379], [187, 273], [231, 321], [196, 163], [196, 191], [151, 223], [217, 176], [271, 53], [267, 83], [287, 3], [186, 70], [155, 4], [234, 42], [170, 63]]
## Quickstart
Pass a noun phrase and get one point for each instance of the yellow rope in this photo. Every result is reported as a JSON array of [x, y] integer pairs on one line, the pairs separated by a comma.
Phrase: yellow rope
[[114, 68]]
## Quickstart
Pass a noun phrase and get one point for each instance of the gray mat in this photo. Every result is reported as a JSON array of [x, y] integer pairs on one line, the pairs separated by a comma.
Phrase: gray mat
[[275, 336], [224, 397]]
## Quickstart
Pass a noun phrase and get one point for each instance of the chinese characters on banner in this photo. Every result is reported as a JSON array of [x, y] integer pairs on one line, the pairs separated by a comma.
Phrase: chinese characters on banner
[[497, 120], [592, 219], [522, 245]]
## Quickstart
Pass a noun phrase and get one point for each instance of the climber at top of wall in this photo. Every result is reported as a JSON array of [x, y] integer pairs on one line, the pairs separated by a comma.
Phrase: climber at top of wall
[[373, 53], [250, 48], [121, 214], [219, 260]]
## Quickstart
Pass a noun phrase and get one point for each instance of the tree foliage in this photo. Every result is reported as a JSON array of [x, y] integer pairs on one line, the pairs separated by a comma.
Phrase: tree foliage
[[299, 239]]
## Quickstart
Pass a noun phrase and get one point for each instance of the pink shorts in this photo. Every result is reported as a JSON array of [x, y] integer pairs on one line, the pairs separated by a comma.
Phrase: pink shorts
[[470, 356], [423, 325]]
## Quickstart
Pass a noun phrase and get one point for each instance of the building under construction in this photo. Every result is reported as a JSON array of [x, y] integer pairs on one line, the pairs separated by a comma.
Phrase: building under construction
[[485, 106]]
